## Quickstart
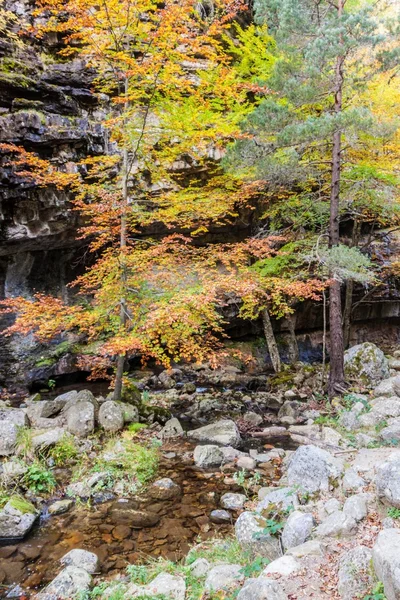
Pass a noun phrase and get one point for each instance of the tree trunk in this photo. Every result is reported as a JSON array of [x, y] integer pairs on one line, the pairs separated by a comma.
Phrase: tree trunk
[[118, 384], [336, 371], [348, 303], [293, 347], [271, 341]]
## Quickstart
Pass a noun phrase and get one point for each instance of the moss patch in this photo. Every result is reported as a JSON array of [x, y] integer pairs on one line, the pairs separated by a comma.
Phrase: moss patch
[[22, 505]]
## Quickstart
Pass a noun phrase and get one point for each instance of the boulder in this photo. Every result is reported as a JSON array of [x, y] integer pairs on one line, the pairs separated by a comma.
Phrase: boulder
[[80, 419], [81, 558], [357, 506], [386, 387], [386, 560], [246, 463], [280, 498], [310, 548], [233, 501], [284, 566], [130, 412], [220, 516], [171, 587], [48, 438], [262, 589], [8, 438], [12, 470], [164, 489], [338, 524], [70, 582], [111, 416], [14, 415], [352, 481], [391, 433], [223, 578], [222, 433], [16, 519], [208, 456], [60, 507], [297, 529], [355, 576], [366, 363], [313, 469], [251, 535], [172, 429], [200, 567], [387, 480]]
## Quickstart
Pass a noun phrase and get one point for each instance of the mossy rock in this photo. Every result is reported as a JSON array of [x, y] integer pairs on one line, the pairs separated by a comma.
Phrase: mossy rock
[[131, 394], [22, 505]]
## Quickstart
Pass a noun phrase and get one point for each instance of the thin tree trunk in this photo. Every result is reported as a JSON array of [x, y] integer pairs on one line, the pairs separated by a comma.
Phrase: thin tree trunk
[[293, 347], [348, 303], [271, 341], [336, 372], [118, 384]]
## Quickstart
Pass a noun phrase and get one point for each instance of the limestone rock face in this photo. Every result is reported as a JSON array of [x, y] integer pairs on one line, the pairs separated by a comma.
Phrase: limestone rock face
[[355, 575], [367, 363], [386, 559], [111, 416], [222, 433], [313, 469]]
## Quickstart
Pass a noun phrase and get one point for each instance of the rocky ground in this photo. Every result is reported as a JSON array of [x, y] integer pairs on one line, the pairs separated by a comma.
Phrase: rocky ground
[[293, 497]]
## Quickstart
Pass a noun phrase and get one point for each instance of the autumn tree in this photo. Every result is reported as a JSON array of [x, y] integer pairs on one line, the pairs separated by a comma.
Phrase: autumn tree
[[306, 133]]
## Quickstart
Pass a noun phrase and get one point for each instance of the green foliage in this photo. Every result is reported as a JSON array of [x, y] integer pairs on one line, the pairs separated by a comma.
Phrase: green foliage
[[378, 593], [346, 263], [39, 479], [393, 512], [22, 505], [24, 442], [64, 451], [135, 427], [247, 483], [255, 567]]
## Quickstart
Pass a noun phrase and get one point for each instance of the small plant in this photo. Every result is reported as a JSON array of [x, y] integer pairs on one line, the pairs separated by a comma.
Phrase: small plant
[[24, 442], [394, 512], [378, 593], [381, 425], [247, 483], [254, 568], [39, 479], [51, 384], [64, 450]]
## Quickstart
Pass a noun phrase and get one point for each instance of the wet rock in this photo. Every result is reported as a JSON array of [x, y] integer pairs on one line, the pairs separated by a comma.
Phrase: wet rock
[[338, 524], [81, 558], [48, 438], [297, 529], [60, 507], [352, 481], [355, 575], [125, 513], [172, 429], [200, 567], [387, 480], [16, 519], [357, 506], [284, 566], [220, 516], [111, 416], [367, 363], [164, 489], [222, 433], [223, 578], [171, 587], [262, 589], [232, 501], [386, 559], [208, 456], [80, 419], [70, 582], [313, 469], [249, 531]]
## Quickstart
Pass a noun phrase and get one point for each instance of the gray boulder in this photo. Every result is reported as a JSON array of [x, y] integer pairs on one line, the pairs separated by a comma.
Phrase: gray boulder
[[357, 506], [60, 507], [223, 578], [387, 480], [70, 582], [297, 529], [313, 469], [48, 438], [111, 416], [283, 566], [386, 559], [208, 456], [391, 433], [251, 535], [200, 567], [262, 589], [80, 419], [338, 524], [168, 586], [10, 420], [352, 481], [81, 558], [16, 519], [172, 429], [386, 387], [355, 576], [222, 433], [130, 412], [220, 516], [366, 363], [280, 498], [164, 489]]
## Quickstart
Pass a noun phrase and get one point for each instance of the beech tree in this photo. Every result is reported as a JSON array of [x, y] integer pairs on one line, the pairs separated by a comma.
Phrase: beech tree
[[304, 135]]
